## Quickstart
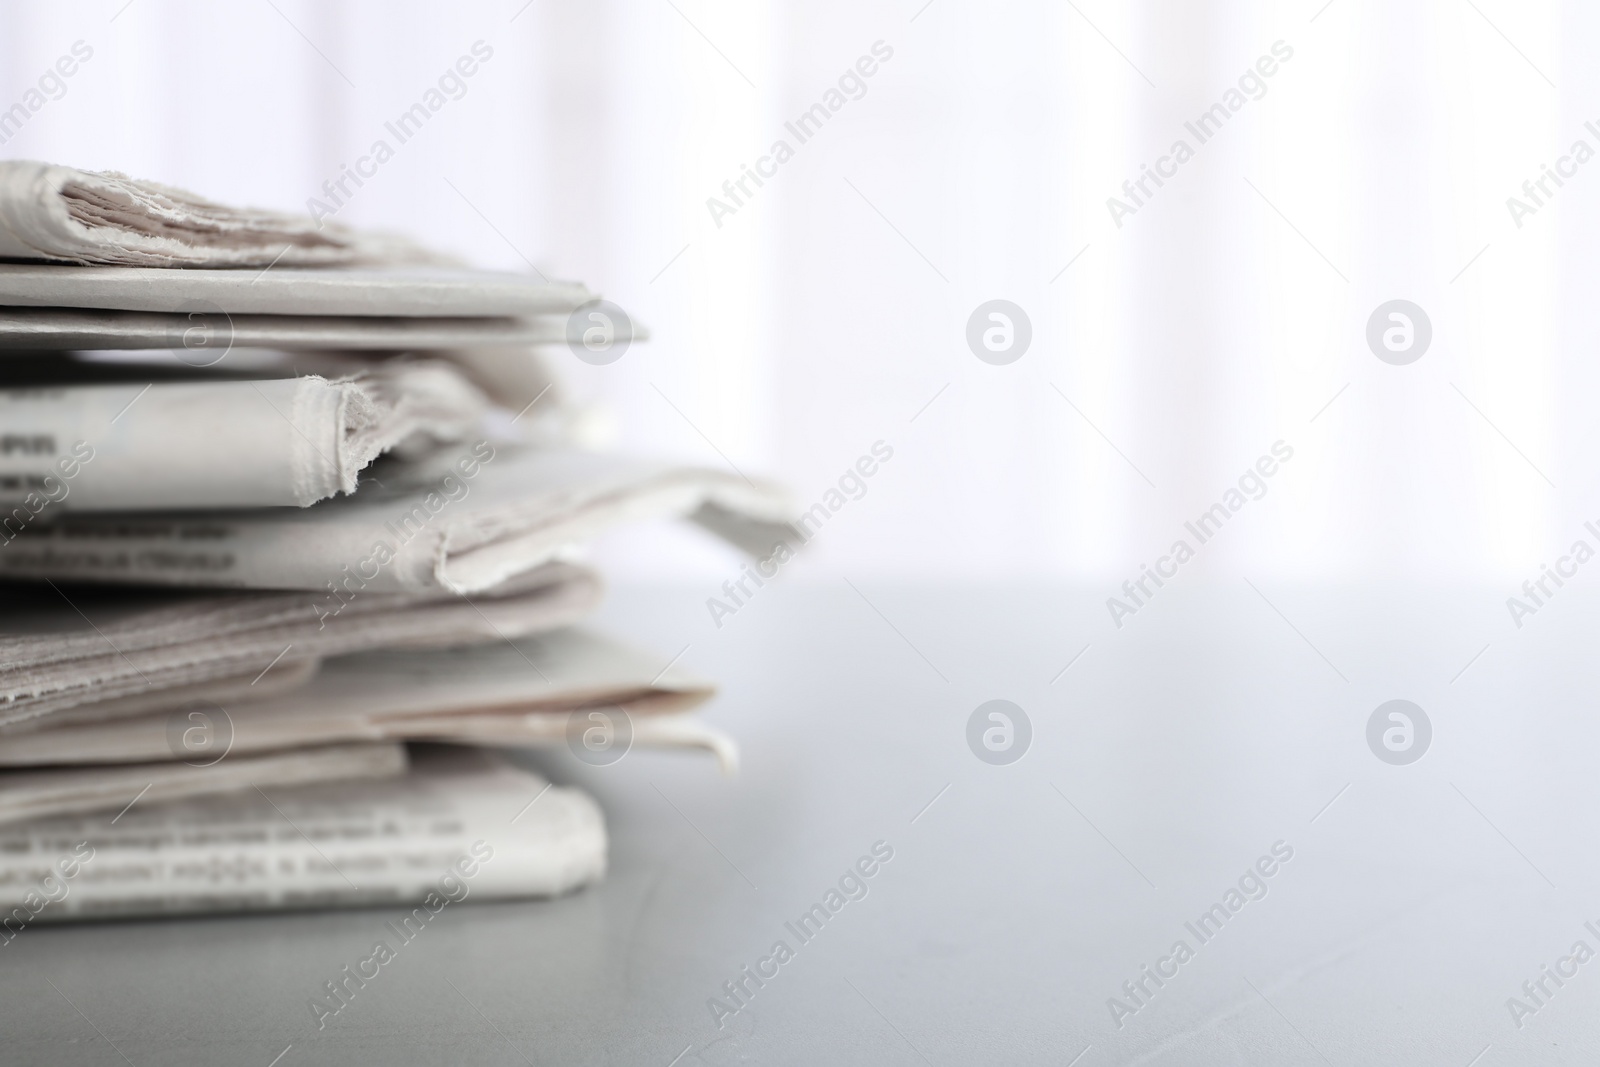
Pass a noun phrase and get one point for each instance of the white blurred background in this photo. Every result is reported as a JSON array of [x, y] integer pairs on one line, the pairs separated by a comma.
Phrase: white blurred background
[[830, 309]]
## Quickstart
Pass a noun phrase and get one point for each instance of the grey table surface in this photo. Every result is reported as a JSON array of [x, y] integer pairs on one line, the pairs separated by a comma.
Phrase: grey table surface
[[1166, 758]]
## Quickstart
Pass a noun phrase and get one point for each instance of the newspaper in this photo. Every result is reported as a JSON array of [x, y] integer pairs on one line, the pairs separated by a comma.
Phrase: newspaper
[[533, 691], [146, 366], [459, 825], [93, 653], [61, 213], [31, 794], [228, 444], [435, 292], [529, 403], [512, 376], [462, 525], [207, 332]]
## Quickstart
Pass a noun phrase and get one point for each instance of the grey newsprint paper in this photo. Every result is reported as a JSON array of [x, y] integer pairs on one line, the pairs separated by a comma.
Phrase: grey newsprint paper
[[64, 214], [566, 687], [457, 824], [73, 653], [404, 292], [203, 335], [462, 522], [285, 442], [27, 795]]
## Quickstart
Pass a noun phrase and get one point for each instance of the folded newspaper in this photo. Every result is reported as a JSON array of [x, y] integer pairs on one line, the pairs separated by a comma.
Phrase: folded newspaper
[[458, 824], [401, 291], [460, 524], [518, 379], [32, 794], [547, 689], [207, 336], [98, 653], [77, 216], [225, 444]]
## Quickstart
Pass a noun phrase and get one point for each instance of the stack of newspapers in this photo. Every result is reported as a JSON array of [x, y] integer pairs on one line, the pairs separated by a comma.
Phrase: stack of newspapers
[[291, 531]]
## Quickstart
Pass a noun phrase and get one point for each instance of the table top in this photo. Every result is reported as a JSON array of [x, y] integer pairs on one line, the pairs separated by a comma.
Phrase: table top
[[1224, 771]]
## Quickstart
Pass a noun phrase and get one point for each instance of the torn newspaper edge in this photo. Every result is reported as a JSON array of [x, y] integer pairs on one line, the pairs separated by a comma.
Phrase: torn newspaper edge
[[223, 444], [61, 213], [527, 404]]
